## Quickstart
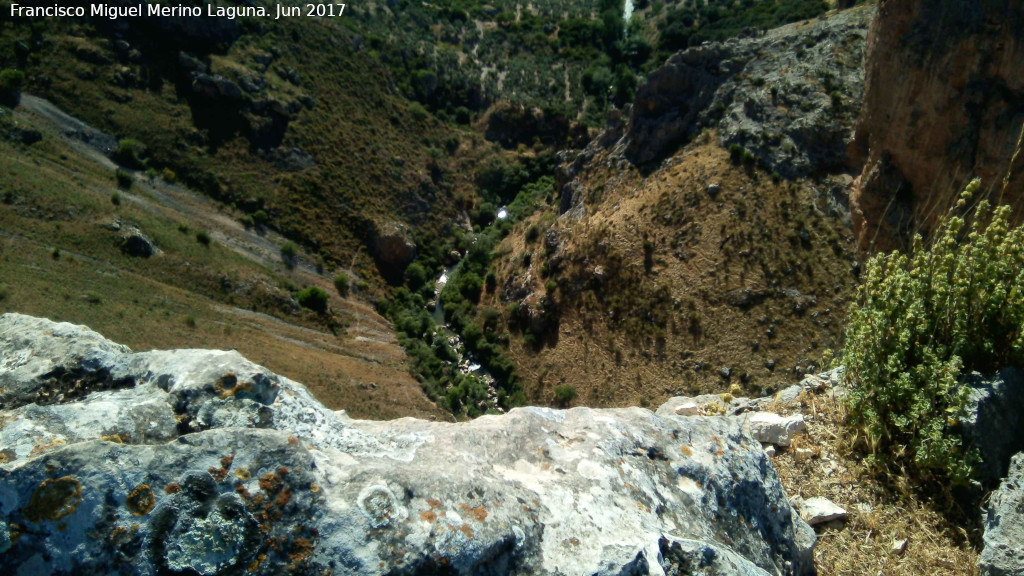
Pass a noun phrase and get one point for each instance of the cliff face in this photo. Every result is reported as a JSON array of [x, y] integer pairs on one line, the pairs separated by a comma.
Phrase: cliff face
[[200, 462], [943, 103], [789, 97]]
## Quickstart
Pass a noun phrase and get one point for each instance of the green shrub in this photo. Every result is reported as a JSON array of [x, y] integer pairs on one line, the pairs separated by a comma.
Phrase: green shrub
[[130, 153], [342, 284], [124, 179], [11, 83], [203, 237], [289, 254], [564, 395], [115, 199], [954, 305], [419, 113], [314, 298]]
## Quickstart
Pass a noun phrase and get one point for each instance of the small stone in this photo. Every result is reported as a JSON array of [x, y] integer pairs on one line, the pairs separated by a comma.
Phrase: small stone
[[688, 409], [774, 429], [899, 546], [820, 510], [713, 190], [803, 454], [769, 450]]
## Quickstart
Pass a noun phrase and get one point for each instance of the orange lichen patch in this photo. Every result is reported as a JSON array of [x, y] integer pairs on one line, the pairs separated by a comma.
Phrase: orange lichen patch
[[686, 450], [242, 473], [301, 549], [115, 438], [141, 500], [467, 530], [284, 497], [270, 483], [227, 461], [40, 448], [172, 488], [54, 499], [219, 474], [479, 513], [434, 503], [242, 490], [293, 440], [256, 563], [428, 516]]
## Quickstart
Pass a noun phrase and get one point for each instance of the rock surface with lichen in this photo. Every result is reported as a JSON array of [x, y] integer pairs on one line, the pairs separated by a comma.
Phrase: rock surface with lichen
[[200, 462]]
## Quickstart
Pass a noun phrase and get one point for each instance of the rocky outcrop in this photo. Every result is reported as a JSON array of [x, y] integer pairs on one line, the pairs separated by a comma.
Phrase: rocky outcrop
[[200, 462], [943, 103], [393, 248], [1004, 525], [790, 98], [994, 425]]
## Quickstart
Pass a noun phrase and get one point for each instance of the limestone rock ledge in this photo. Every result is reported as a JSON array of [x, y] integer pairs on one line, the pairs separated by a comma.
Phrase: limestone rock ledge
[[201, 462]]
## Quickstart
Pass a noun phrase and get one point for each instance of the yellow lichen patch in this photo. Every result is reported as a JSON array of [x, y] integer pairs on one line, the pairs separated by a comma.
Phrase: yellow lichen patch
[[7, 456], [54, 499], [141, 500], [314, 487], [686, 450], [229, 385], [40, 448], [115, 438], [242, 473]]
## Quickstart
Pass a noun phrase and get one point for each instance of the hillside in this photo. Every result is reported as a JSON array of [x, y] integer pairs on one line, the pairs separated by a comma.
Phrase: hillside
[[678, 259], [132, 260]]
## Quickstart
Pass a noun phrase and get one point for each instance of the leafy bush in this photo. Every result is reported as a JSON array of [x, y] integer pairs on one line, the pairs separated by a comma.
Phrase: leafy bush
[[342, 284], [11, 83], [203, 237], [289, 254], [954, 305], [419, 113], [564, 395], [314, 298], [130, 153], [124, 179]]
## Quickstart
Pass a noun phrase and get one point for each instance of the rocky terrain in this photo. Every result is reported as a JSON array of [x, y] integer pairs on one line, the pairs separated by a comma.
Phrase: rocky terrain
[[943, 103], [202, 462], [789, 97]]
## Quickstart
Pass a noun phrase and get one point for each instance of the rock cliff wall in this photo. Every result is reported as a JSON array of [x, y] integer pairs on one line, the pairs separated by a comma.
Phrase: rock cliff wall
[[943, 102], [200, 462]]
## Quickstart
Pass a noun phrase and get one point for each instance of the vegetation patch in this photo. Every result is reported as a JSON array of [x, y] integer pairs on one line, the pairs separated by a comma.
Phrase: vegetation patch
[[952, 305]]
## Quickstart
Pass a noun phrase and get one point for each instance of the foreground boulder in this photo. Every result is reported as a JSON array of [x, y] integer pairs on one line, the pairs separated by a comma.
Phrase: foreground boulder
[[1004, 525], [201, 462]]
